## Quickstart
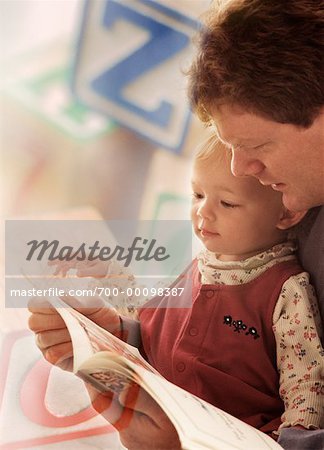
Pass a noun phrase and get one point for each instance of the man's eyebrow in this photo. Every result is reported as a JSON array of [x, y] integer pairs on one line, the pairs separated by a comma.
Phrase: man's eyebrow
[[225, 143], [236, 142]]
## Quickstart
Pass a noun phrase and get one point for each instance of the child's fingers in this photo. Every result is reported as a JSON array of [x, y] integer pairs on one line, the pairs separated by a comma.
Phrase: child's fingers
[[62, 267], [87, 272], [85, 268], [95, 269]]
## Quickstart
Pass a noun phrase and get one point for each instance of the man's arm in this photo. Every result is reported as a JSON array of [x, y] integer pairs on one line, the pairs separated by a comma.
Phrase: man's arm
[[52, 335], [131, 331], [297, 439]]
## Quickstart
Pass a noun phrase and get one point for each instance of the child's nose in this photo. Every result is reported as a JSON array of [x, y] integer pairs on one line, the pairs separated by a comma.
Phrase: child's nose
[[206, 211]]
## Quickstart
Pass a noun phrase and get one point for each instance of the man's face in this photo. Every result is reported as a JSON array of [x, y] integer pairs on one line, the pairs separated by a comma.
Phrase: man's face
[[287, 157]]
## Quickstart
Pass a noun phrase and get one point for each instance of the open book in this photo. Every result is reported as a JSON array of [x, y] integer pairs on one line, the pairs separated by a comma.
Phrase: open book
[[110, 364]]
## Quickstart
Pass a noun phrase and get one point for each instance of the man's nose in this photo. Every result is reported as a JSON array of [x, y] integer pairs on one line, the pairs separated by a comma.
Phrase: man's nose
[[243, 164]]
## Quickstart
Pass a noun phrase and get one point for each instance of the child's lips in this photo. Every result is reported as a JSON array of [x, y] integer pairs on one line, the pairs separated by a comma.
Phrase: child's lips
[[207, 233]]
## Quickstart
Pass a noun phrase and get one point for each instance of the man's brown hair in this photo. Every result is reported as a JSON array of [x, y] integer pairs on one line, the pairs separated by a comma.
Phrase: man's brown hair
[[263, 55]]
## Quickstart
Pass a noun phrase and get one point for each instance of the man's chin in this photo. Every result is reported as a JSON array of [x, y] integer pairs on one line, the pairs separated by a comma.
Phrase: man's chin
[[295, 204]]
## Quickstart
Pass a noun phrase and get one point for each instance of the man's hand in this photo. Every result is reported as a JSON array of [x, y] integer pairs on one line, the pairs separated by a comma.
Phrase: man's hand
[[148, 428], [52, 336], [141, 423]]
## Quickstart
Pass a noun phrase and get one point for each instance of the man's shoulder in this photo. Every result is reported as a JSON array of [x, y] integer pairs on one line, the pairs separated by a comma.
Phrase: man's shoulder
[[311, 251], [312, 226]]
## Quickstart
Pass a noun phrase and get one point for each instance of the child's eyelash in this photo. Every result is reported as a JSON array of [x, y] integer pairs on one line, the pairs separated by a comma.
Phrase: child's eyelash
[[227, 205]]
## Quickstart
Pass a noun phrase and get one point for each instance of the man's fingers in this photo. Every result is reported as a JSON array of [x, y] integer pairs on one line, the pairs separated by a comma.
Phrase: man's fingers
[[47, 339], [146, 414], [40, 305], [60, 355], [139, 400], [107, 404], [138, 430], [40, 321], [96, 310], [86, 305]]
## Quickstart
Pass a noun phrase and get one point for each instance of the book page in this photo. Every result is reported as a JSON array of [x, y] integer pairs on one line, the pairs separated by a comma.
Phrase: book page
[[88, 338], [200, 422], [106, 372]]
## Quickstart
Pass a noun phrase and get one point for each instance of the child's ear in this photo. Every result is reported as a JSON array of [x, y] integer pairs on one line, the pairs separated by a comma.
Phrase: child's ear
[[290, 218]]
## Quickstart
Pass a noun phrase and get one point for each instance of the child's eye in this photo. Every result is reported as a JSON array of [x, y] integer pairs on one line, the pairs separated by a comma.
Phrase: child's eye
[[197, 195], [228, 205]]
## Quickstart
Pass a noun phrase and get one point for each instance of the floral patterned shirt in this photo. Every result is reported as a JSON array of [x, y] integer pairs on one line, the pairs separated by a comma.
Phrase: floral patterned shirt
[[296, 326]]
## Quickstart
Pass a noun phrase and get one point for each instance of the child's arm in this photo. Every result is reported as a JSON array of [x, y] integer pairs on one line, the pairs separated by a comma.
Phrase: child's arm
[[297, 330]]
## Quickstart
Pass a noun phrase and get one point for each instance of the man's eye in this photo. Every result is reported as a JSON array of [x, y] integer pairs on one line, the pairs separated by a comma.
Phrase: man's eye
[[228, 205], [261, 146]]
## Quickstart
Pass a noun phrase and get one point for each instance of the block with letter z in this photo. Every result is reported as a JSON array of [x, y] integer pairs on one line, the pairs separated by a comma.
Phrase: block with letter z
[[130, 64]]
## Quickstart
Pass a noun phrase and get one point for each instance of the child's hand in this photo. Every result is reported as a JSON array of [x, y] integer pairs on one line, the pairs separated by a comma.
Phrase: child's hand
[[85, 268]]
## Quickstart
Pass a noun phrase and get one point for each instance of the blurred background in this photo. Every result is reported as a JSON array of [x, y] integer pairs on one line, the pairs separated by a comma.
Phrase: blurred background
[[67, 139], [94, 122]]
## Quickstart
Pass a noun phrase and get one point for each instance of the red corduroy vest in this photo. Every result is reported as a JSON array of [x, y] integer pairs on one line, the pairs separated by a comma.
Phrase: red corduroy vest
[[222, 347]]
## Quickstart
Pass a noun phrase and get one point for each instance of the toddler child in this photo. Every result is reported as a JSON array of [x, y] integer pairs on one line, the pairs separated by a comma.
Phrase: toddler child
[[249, 340]]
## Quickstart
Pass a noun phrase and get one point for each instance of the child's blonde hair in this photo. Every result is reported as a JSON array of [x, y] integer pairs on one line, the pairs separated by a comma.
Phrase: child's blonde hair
[[212, 146]]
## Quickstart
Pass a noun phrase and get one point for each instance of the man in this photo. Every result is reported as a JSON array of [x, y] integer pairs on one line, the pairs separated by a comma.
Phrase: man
[[258, 78]]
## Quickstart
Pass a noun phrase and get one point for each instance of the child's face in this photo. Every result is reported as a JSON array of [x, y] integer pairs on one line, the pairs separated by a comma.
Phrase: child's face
[[235, 217]]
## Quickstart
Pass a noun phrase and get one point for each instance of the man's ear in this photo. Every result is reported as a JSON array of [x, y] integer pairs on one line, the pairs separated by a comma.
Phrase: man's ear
[[290, 218]]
